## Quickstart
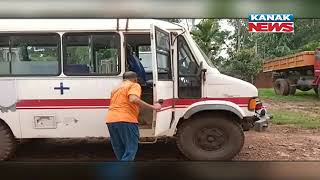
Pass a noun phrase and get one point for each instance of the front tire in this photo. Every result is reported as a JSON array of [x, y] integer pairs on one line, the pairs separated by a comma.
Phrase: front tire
[[210, 137], [7, 142]]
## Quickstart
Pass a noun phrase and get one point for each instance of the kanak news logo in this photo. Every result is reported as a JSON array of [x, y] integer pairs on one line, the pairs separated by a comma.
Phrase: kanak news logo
[[271, 23]]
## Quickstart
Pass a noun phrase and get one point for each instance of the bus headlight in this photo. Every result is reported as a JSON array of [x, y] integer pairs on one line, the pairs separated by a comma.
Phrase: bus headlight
[[252, 104]]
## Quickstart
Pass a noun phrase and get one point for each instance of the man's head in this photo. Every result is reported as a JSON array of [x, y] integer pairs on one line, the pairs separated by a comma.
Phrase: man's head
[[131, 76]]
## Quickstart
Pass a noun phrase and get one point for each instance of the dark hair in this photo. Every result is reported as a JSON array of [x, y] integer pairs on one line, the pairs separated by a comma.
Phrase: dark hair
[[129, 75]]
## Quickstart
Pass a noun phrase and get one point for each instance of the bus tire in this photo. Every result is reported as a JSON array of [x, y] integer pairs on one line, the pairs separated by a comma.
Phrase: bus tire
[[281, 87], [208, 137], [7, 142]]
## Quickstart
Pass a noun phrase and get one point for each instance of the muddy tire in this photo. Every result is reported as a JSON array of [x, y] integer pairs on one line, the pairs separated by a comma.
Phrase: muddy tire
[[317, 91], [7, 142], [281, 87], [292, 89], [210, 137]]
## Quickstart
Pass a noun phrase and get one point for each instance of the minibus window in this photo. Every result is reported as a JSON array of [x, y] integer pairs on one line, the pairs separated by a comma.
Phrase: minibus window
[[4, 55], [91, 54], [30, 54], [163, 56], [209, 62], [146, 58], [189, 81]]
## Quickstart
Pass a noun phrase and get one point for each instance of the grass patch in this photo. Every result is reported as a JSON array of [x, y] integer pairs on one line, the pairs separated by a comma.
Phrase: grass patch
[[299, 96], [303, 120]]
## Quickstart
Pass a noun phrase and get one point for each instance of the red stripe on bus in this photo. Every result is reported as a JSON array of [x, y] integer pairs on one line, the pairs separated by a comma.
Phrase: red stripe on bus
[[63, 102], [239, 100], [104, 103]]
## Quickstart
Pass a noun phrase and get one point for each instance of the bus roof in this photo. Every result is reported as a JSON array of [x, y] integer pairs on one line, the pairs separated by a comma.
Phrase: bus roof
[[61, 25]]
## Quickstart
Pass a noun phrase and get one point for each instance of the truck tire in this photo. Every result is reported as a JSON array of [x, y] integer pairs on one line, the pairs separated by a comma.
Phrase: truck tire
[[292, 89], [7, 142], [316, 90], [281, 87], [208, 137]]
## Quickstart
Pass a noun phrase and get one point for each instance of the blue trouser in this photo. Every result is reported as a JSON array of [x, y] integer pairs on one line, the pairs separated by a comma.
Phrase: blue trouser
[[124, 140]]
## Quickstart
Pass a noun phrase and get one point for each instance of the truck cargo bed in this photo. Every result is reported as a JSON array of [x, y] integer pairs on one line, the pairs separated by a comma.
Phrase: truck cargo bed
[[305, 58]]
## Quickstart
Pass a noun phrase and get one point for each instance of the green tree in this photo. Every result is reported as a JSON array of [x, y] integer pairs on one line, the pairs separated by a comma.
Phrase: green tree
[[210, 39], [243, 65], [244, 60]]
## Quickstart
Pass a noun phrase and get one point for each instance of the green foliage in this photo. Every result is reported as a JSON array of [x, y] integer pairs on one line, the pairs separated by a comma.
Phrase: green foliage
[[300, 119], [310, 46], [300, 109], [243, 65], [244, 62], [305, 38], [268, 45], [300, 96], [246, 51], [78, 55], [210, 39]]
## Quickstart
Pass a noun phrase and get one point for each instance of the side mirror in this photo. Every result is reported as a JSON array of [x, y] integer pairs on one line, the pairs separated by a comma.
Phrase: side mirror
[[202, 71]]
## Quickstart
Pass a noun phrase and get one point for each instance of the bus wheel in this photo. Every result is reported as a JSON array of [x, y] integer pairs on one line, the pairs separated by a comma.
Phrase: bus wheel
[[7, 142], [208, 137]]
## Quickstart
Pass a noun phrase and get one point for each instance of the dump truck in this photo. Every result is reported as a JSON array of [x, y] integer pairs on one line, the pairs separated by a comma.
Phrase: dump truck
[[297, 71]]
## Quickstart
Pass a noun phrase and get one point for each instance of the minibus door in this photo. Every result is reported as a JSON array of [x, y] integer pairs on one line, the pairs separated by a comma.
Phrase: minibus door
[[162, 79]]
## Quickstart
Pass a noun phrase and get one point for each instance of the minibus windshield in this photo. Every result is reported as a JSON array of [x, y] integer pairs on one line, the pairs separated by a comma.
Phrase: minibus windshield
[[204, 55]]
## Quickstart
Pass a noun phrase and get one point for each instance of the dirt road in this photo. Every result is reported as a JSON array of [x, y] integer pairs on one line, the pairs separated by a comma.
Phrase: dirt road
[[276, 143]]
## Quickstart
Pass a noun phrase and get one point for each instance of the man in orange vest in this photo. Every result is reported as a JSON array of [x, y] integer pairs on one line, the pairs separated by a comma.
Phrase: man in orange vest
[[122, 118]]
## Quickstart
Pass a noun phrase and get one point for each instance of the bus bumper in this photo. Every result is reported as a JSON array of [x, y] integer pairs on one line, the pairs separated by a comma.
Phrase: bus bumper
[[262, 120]]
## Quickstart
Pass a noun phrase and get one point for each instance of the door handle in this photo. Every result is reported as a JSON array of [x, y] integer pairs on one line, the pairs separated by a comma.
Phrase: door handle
[[160, 101]]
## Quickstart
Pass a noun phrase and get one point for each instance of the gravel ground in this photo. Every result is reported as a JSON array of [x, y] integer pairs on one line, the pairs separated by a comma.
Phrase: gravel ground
[[278, 142]]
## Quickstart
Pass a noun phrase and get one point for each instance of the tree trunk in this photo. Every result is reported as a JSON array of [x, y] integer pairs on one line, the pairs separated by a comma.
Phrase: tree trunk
[[256, 47]]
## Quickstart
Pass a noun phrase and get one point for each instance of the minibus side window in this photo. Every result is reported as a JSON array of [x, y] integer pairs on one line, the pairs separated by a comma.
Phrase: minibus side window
[[189, 83], [91, 54], [4, 55], [146, 57], [29, 54], [163, 56]]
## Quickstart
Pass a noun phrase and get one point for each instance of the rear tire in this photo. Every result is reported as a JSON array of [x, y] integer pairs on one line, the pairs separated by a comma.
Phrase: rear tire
[[208, 137], [281, 87], [292, 89], [317, 90], [7, 142]]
